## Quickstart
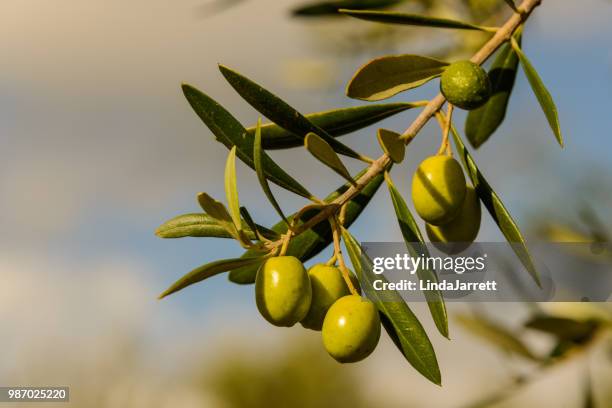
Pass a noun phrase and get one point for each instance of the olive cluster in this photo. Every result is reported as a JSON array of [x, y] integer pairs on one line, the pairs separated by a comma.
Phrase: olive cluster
[[319, 299]]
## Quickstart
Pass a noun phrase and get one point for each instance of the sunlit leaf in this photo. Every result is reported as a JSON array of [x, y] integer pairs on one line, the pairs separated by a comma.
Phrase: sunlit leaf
[[393, 17], [231, 133], [496, 335], [326, 155], [203, 225], [311, 242], [391, 144], [384, 77], [542, 94], [496, 208], [326, 8], [398, 320], [415, 245], [278, 111], [257, 156], [483, 121], [231, 188], [208, 270], [336, 122], [218, 211]]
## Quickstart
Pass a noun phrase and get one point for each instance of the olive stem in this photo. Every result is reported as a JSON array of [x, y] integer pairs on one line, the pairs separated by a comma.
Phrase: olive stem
[[338, 253], [445, 146], [378, 166]]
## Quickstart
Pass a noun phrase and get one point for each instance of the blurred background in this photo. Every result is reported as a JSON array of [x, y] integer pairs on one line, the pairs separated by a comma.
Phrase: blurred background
[[99, 147]]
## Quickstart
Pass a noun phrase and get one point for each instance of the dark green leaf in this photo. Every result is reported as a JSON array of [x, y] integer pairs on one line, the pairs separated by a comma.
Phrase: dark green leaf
[[563, 328], [326, 155], [384, 77], [256, 231], [311, 242], [208, 270], [257, 156], [230, 132], [392, 144], [542, 94], [393, 17], [231, 188], [496, 208], [511, 4], [203, 225], [398, 320], [482, 122], [278, 111], [496, 335], [415, 245], [326, 8], [336, 122]]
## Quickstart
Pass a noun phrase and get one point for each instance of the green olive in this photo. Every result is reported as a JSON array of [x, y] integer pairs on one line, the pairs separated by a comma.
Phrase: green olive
[[351, 329], [438, 189], [465, 84], [283, 291], [457, 235], [328, 285]]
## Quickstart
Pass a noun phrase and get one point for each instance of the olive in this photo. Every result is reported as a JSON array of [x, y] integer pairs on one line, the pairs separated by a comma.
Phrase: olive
[[457, 235], [328, 285], [282, 290], [351, 329], [438, 189], [465, 84]]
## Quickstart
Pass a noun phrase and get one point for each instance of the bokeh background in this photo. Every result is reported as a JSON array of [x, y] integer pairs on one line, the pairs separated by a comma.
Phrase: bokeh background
[[99, 147]]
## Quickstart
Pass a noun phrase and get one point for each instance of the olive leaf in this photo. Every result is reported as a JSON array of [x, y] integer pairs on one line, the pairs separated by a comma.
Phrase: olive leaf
[[398, 320], [230, 133], [384, 77], [255, 229], [393, 17], [496, 208], [325, 8], [542, 95], [415, 245], [483, 121], [496, 335], [392, 144], [203, 225], [208, 270], [563, 328], [312, 241], [279, 112], [336, 122], [257, 155], [511, 4], [218, 211], [231, 189], [326, 155]]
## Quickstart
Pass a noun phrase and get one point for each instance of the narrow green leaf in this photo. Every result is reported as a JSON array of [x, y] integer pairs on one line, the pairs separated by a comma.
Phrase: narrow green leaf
[[311, 242], [392, 144], [257, 155], [326, 155], [208, 270], [483, 121], [384, 77], [415, 245], [278, 111], [231, 189], [327, 8], [248, 220], [496, 208], [563, 328], [203, 225], [218, 211], [393, 17], [398, 320], [231, 133], [336, 122], [542, 94], [496, 335]]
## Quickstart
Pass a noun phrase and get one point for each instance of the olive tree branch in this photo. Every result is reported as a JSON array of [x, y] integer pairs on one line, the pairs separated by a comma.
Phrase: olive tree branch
[[378, 166]]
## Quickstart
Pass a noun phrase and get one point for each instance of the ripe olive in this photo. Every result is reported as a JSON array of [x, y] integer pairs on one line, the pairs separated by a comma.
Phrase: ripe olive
[[351, 329], [457, 235], [438, 189], [282, 290], [328, 285], [465, 84]]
